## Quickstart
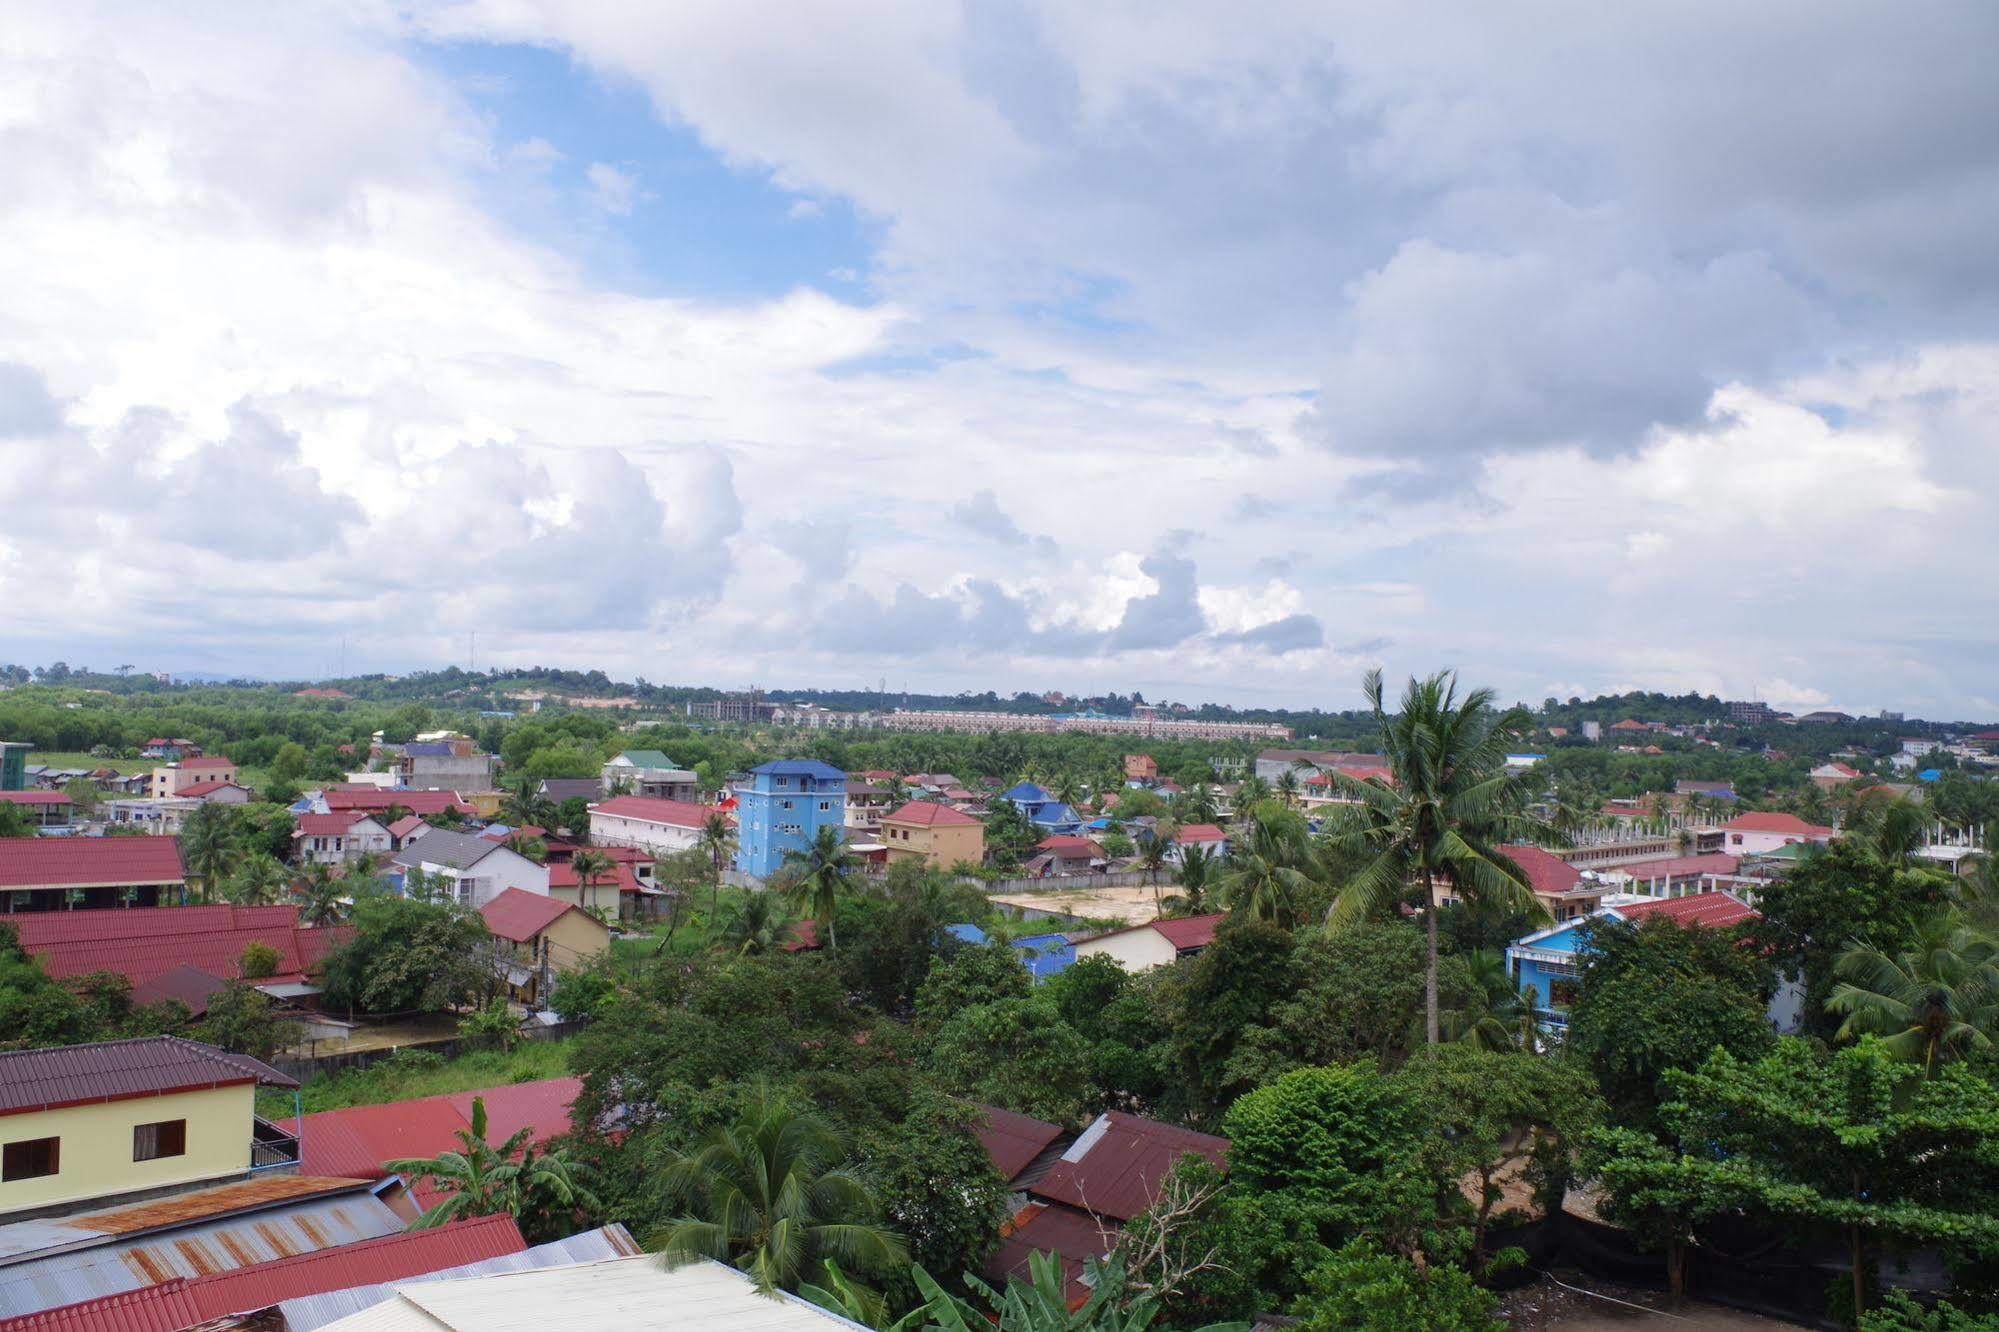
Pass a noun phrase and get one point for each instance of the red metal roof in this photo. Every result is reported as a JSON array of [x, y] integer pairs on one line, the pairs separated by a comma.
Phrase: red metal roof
[[562, 874], [1013, 1140], [1200, 832], [1675, 866], [328, 825], [1189, 932], [141, 943], [1067, 1232], [1789, 824], [111, 1070], [76, 862], [520, 915], [208, 788], [405, 825], [184, 985], [1547, 874], [1115, 1167], [1714, 909], [650, 809], [356, 1140], [803, 939], [374, 798], [1068, 847], [182, 1302], [211, 761], [929, 814], [36, 798]]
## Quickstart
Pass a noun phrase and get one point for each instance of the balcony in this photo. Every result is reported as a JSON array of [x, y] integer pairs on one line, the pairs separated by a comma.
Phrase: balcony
[[271, 1148]]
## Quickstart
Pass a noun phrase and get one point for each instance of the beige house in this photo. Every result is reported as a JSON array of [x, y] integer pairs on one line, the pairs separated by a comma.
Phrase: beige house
[[935, 834], [171, 778], [544, 937], [1156, 944]]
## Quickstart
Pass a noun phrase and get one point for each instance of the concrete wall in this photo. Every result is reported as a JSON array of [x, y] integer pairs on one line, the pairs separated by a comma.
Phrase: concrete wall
[[1138, 950], [942, 845], [96, 1153], [658, 838]]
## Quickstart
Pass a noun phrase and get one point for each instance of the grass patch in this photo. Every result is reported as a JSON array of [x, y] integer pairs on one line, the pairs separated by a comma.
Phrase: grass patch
[[405, 1078], [87, 763]]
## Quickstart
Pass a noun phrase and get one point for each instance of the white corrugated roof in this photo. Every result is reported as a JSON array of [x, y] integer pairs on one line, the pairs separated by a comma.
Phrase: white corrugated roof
[[631, 1294]]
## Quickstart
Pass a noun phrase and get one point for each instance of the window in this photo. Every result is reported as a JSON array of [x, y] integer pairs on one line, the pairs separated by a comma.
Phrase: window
[[784, 804], [30, 1159], [825, 805], [150, 1142]]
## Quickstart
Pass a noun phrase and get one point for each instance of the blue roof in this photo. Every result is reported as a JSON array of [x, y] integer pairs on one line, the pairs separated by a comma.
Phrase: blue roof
[[801, 768], [1055, 813], [1045, 954], [1026, 791], [1930, 775], [971, 934]]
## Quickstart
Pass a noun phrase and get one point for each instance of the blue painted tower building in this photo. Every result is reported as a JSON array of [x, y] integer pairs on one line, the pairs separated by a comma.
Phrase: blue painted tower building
[[782, 807]]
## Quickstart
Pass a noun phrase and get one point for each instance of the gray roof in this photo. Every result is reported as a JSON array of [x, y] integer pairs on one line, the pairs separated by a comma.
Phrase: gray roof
[[442, 846], [104, 1070], [563, 788]]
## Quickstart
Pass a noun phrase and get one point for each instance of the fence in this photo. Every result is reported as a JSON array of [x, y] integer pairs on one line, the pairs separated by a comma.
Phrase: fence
[[308, 1066], [1069, 883]]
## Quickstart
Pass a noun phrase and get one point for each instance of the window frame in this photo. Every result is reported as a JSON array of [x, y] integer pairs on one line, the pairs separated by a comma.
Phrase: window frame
[[9, 1173], [167, 1132]]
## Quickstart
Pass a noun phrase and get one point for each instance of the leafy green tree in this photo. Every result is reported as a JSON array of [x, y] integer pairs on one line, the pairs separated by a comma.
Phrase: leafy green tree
[[1014, 1053], [1662, 996], [967, 976], [1270, 867], [1936, 1000], [257, 960], [492, 1025], [1232, 987], [83, 793], [542, 1190], [1856, 1143], [1362, 1288], [1010, 838], [408, 956], [937, 1186], [257, 882], [772, 1193], [822, 875], [573, 815], [14, 821], [289, 763], [1041, 1303], [241, 1019], [1838, 897], [209, 846], [1494, 1018], [1444, 817]]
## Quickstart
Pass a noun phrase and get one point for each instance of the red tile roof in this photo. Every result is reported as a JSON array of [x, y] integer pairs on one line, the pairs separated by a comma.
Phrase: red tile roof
[[182, 1302], [1675, 866], [1115, 1167], [651, 809], [356, 1140], [141, 943], [36, 798], [1715, 908], [520, 915], [111, 1070], [1200, 832], [1189, 932], [1547, 874], [1789, 824], [37, 862], [562, 874], [930, 814], [1069, 847], [1013, 1140], [328, 825]]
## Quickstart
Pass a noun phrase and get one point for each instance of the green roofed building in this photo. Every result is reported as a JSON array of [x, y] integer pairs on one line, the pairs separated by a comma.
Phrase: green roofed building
[[647, 772]]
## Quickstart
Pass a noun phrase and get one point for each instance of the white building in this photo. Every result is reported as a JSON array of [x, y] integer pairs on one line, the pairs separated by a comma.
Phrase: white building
[[1756, 834], [474, 870], [333, 839], [658, 826]]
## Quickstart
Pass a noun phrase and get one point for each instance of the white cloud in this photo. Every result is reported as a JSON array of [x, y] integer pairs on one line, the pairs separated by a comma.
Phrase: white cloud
[[612, 190]]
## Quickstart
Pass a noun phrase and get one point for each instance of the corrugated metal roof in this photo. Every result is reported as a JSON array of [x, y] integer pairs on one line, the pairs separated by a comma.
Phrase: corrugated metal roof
[[636, 1294], [519, 915], [309, 1312], [143, 942], [1013, 1140], [101, 1253], [1115, 1167], [105, 1070], [180, 1303], [44, 862], [1070, 1233]]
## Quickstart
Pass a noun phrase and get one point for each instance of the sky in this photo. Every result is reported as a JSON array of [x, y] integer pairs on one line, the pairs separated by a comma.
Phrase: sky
[[1220, 352]]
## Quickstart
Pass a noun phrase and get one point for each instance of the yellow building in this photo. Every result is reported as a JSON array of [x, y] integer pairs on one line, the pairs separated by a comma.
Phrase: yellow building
[[82, 1123], [935, 834], [168, 780], [545, 936]]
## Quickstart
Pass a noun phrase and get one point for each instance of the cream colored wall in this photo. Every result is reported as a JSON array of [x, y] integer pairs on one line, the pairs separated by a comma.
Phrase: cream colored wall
[[942, 845], [1138, 950], [575, 938], [95, 1157]]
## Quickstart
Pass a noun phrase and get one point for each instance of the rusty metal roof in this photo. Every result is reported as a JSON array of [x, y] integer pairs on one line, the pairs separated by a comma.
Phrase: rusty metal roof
[[111, 1070], [57, 1261], [1115, 1167]]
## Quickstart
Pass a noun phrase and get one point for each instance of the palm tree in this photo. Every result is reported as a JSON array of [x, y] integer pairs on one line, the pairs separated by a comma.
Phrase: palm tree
[[1195, 864], [1934, 1001], [770, 1193], [1287, 787], [258, 881], [483, 1180], [526, 806], [1152, 859], [1894, 831], [1068, 789], [822, 872], [592, 868], [757, 927], [716, 838], [209, 846], [1197, 804], [1452, 802], [319, 896], [1492, 1018], [1269, 868], [1251, 792]]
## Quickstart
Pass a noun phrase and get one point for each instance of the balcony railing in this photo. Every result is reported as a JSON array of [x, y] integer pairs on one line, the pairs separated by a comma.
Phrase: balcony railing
[[271, 1147]]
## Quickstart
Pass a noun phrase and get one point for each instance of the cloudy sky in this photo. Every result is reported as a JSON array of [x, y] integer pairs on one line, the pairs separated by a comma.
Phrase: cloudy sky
[[1219, 351]]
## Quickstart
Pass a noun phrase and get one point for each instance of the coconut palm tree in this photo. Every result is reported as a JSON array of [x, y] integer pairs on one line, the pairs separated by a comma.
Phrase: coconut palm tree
[[1934, 1001], [592, 869], [1894, 831], [525, 806], [1287, 787], [1152, 859], [1068, 789], [1450, 806], [319, 896], [1251, 792], [1269, 868], [209, 846], [1492, 1018], [257, 881], [479, 1179], [822, 872], [1196, 867], [757, 927], [1197, 804], [771, 1193]]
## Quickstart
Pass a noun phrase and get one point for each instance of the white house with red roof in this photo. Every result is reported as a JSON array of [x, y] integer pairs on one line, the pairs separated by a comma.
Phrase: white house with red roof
[[651, 824], [1829, 775], [216, 793], [334, 839], [1065, 853], [169, 779], [1154, 944], [1208, 836], [1757, 834]]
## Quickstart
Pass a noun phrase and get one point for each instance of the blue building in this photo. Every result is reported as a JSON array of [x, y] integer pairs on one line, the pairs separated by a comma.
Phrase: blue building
[[1043, 810], [1546, 959], [782, 807]]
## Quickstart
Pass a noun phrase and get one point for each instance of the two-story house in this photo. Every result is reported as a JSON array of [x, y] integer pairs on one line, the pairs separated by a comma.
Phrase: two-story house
[[1546, 961], [660, 827], [543, 937], [172, 778], [84, 1123], [453, 764], [936, 835], [780, 809], [469, 869], [648, 772], [1043, 810], [334, 839]]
